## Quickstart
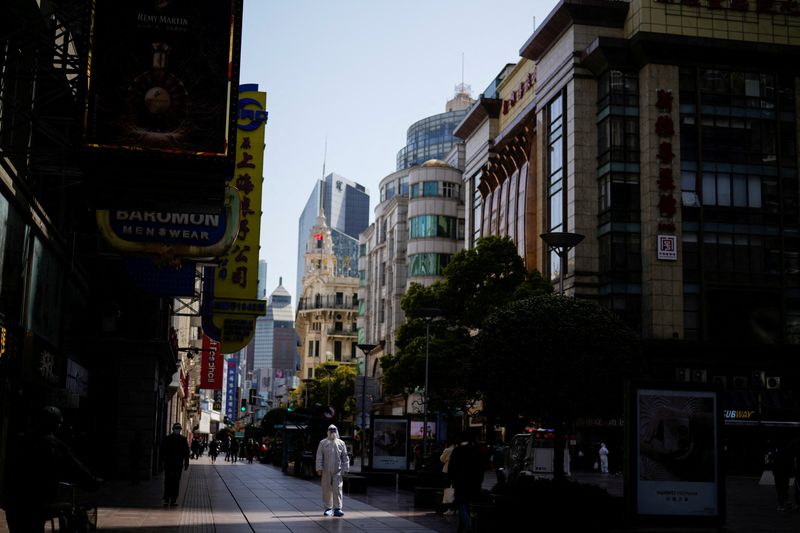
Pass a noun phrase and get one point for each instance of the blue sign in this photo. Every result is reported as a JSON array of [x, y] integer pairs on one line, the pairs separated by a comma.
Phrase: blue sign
[[250, 110], [195, 229], [232, 366]]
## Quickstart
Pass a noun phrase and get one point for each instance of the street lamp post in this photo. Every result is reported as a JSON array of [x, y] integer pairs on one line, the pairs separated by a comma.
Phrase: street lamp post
[[366, 349], [305, 390], [561, 242], [329, 367], [427, 314]]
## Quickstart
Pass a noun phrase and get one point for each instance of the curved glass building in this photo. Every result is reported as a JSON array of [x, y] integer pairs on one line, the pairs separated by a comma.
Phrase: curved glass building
[[432, 137]]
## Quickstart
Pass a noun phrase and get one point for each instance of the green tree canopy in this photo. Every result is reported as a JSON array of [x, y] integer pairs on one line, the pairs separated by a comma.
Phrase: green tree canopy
[[475, 282], [552, 359], [341, 379]]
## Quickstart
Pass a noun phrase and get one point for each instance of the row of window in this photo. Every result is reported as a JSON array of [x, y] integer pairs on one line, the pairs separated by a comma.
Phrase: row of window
[[443, 189], [736, 88], [428, 264], [428, 226]]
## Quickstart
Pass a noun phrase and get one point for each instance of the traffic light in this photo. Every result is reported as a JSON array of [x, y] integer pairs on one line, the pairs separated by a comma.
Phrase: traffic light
[[290, 406], [252, 396], [243, 408]]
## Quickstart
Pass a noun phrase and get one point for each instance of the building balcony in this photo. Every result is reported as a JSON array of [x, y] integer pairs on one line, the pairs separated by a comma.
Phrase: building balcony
[[326, 302], [342, 332]]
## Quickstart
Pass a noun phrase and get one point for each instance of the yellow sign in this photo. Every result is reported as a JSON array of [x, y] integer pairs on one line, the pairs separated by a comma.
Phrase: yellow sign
[[236, 276]]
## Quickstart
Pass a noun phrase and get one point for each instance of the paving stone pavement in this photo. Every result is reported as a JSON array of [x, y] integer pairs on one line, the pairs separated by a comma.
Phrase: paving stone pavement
[[246, 498]]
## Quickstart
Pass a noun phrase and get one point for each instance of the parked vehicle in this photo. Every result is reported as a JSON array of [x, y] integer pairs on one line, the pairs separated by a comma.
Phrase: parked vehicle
[[532, 454]]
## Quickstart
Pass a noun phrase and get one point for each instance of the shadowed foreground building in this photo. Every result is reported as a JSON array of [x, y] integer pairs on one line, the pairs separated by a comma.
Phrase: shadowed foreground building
[[666, 134]]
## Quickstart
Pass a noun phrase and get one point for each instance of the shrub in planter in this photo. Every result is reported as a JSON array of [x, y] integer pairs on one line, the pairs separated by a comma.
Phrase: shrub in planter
[[566, 503]]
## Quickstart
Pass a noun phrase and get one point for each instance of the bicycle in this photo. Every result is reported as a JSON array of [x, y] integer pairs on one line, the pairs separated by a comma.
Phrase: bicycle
[[73, 516]]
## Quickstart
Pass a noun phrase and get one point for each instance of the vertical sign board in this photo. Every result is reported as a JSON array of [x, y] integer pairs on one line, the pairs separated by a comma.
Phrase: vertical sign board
[[232, 364], [676, 445], [235, 304], [211, 366]]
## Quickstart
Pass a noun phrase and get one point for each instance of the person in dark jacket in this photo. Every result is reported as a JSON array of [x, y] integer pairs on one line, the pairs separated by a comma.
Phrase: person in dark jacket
[[37, 464], [465, 471], [175, 456]]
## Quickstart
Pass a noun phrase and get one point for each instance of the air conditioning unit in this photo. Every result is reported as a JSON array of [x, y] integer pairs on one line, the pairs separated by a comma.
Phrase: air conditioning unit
[[773, 382], [699, 376], [739, 382], [683, 374], [720, 381], [759, 379]]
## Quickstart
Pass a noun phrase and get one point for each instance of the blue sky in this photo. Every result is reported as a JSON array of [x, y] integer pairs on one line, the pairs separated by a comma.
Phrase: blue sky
[[359, 73]]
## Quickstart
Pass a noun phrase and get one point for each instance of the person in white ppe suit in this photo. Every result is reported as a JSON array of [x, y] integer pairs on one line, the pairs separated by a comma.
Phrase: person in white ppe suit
[[332, 464]]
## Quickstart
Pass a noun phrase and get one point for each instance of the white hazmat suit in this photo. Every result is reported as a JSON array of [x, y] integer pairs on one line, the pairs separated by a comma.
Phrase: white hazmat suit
[[332, 464]]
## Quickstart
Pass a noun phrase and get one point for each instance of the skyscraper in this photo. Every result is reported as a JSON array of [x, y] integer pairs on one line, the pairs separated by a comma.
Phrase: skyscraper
[[346, 207]]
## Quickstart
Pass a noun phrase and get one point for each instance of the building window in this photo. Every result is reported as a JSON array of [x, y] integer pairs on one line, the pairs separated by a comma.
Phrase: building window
[[316, 348], [383, 274], [429, 264], [310, 349], [415, 188], [476, 210], [451, 190], [404, 186], [337, 350], [430, 188], [555, 173], [429, 226], [382, 311]]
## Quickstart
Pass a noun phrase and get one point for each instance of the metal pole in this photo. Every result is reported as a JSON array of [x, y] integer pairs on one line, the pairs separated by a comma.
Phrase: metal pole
[[425, 398], [563, 260], [364, 420]]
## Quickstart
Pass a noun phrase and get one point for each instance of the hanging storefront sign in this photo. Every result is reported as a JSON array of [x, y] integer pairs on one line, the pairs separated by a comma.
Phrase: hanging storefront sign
[[232, 365], [234, 304], [211, 366]]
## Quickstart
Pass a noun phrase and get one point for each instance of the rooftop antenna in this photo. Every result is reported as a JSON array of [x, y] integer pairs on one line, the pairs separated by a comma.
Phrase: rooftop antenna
[[325, 156], [534, 23], [462, 69]]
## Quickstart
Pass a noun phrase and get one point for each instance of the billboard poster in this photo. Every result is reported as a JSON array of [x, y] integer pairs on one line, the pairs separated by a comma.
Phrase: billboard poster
[[211, 366], [676, 445], [159, 75], [390, 443]]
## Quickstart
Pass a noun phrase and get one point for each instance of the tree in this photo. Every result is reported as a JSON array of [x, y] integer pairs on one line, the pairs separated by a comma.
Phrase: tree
[[475, 282], [553, 359], [342, 388]]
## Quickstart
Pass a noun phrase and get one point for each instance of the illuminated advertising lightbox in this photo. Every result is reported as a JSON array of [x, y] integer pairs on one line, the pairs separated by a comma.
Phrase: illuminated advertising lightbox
[[159, 75]]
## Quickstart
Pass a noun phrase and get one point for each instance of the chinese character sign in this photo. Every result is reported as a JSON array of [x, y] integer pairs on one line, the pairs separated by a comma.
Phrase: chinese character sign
[[237, 274]]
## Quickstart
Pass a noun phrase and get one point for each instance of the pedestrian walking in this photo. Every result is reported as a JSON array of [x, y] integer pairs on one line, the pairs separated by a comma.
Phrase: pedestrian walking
[[37, 463], [465, 471], [603, 453], [332, 464], [234, 449], [175, 457], [447, 494], [213, 450], [782, 467]]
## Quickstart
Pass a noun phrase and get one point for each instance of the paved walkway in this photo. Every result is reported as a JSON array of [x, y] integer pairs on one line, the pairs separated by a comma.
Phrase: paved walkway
[[246, 498]]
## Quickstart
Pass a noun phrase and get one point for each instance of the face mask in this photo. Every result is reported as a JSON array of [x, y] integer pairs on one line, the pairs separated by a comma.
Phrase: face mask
[[332, 435]]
